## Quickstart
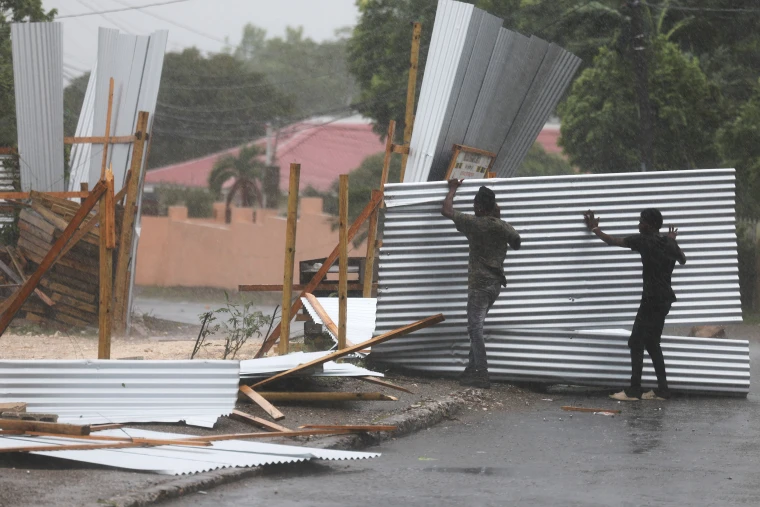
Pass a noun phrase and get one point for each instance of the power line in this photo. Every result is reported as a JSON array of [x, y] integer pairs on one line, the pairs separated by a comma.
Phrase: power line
[[172, 22], [132, 8]]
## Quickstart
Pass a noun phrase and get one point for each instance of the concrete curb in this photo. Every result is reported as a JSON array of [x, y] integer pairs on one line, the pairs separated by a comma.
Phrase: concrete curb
[[413, 419]]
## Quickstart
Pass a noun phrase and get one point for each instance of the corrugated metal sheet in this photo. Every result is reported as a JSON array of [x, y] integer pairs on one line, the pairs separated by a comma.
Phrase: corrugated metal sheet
[[563, 276], [103, 391], [269, 366], [452, 21], [82, 153], [360, 316], [594, 358], [495, 93], [181, 460], [38, 84]]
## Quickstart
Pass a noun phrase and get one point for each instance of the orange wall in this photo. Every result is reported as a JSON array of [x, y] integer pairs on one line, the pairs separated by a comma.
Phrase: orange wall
[[177, 251]]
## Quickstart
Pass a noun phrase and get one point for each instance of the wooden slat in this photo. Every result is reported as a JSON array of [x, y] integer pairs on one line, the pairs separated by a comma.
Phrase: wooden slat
[[276, 396], [98, 140], [71, 321], [388, 152], [25, 195], [384, 383], [369, 259], [20, 278], [401, 148], [58, 428], [271, 434], [102, 427], [326, 320], [290, 255], [411, 92], [20, 297], [105, 277], [74, 303], [29, 216], [80, 295], [342, 259], [257, 421], [137, 440], [107, 140], [420, 324], [260, 401], [297, 304]]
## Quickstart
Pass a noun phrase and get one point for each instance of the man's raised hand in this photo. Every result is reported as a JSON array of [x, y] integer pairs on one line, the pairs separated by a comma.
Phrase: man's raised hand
[[591, 221], [672, 232], [454, 183]]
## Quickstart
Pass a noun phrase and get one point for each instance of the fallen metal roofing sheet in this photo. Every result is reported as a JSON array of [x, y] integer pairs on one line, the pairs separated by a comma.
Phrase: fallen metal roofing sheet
[[593, 358], [120, 391], [563, 276], [269, 366], [178, 459], [37, 50], [494, 92], [360, 316]]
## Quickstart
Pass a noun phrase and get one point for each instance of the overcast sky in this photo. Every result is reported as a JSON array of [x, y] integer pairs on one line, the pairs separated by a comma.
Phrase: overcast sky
[[205, 24]]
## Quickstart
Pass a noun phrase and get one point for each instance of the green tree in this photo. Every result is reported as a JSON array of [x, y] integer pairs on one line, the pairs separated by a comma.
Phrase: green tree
[[246, 169], [73, 98], [540, 163], [739, 148], [13, 11], [600, 118], [314, 75]]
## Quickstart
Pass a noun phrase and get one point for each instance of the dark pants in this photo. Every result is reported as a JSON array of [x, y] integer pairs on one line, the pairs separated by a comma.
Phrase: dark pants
[[479, 301], [646, 335]]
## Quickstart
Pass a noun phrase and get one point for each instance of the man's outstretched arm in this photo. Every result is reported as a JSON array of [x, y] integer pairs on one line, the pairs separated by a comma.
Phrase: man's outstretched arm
[[447, 209], [592, 223]]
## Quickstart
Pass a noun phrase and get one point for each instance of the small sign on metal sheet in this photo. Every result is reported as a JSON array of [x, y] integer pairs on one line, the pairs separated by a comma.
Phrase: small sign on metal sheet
[[470, 163]]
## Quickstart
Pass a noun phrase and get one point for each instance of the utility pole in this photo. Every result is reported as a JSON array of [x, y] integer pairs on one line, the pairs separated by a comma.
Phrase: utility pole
[[642, 88]]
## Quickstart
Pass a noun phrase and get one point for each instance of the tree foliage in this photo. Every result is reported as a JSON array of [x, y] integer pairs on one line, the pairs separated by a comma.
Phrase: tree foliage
[[247, 172], [314, 75], [13, 11], [540, 163], [600, 120]]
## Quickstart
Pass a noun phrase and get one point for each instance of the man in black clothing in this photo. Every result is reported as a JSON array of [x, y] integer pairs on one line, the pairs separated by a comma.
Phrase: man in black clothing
[[658, 257]]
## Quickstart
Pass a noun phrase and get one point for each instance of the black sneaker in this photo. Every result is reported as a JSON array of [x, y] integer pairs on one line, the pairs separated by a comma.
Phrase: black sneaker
[[477, 379]]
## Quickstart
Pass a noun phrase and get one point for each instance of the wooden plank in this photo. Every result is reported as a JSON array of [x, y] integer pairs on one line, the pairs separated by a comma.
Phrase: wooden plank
[[400, 148], [102, 427], [257, 421], [83, 296], [326, 320], [297, 305], [105, 277], [71, 321], [136, 440], [57, 428], [342, 259], [420, 324], [388, 153], [271, 434], [20, 297], [98, 140], [81, 233], [354, 427], [74, 303], [126, 235], [290, 255], [107, 136], [89, 286], [324, 396], [29, 228], [258, 400], [384, 383], [329, 285], [369, 260], [109, 224], [25, 195], [411, 91], [27, 215], [13, 406], [21, 278], [569, 408]]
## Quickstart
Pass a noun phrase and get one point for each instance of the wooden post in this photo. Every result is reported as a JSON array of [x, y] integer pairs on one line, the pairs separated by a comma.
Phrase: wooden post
[[388, 153], [84, 187], [369, 261], [343, 260], [290, 255], [20, 297], [108, 130], [121, 281], [411, 92], [105, 305]]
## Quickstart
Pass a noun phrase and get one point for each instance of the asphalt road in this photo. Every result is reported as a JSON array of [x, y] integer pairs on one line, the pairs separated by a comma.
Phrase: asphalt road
[[688, 451]]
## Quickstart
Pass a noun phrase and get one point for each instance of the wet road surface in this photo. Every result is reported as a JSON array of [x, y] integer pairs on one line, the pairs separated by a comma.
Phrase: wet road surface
[[688, 451]]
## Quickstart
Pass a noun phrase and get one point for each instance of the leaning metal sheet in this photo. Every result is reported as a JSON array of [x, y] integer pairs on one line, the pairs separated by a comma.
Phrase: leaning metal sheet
[[360, 314], [563, 277], [38, 83], [104, 391], [593, 358], [81, 152], [181, 460]]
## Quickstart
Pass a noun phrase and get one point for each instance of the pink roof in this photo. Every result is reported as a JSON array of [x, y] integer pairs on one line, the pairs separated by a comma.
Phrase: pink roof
[[548, 138], [324, 148]]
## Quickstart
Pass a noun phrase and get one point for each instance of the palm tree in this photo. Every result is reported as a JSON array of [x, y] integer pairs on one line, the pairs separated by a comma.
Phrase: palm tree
[[246, 169]]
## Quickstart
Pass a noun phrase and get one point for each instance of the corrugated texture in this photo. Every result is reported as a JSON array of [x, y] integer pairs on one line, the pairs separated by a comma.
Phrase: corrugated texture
[[269, 366], [102, 391], [594, 358], [495, 92], [360, 316], [38, 84], [180, 460], [82, 153], [7, 175], [563, 276], [452, 21], [108, 39]]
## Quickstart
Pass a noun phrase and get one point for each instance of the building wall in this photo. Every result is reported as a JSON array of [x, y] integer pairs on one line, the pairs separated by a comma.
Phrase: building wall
[[177, 251]]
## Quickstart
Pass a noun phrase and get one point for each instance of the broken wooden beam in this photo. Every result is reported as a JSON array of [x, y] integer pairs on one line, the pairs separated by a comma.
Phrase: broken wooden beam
[[324, 396], [420, 324], [57, 428], [325, 318], [257, 421], [273, 434], [384, 383], [260, 401]]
